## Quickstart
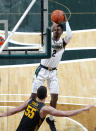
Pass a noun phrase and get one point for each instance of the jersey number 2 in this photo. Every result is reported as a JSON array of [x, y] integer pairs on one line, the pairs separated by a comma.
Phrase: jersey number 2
[[54, 52]]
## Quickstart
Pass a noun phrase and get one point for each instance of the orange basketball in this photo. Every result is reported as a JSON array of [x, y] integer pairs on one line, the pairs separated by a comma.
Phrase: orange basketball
[[58, 16], [1, 40]]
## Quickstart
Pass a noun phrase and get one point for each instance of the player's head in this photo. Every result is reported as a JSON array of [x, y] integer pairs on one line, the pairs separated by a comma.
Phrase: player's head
[[42, 92], [61, 27], [58, 30]]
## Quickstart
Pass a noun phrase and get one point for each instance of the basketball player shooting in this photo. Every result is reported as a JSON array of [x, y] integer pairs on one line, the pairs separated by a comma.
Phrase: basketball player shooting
[[47, 69]]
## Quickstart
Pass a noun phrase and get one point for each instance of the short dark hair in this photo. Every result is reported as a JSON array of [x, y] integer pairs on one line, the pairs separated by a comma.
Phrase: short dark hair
[[60, 25], [42, 92]]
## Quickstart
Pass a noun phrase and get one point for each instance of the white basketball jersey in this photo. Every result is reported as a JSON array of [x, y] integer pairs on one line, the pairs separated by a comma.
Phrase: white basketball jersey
[[56, 55]]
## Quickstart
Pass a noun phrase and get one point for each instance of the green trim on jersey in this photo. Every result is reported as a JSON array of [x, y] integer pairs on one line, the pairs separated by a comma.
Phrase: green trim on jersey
[[37, 70]]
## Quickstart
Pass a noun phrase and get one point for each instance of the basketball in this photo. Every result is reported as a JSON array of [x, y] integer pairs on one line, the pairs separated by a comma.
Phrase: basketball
[[58, 16], [1, 40]]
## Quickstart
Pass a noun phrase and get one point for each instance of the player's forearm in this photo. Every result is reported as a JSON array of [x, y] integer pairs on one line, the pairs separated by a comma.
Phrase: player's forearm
[[15, 110], [73, 112], [53, 26], [8, 113], [68, 113], [68, 32]]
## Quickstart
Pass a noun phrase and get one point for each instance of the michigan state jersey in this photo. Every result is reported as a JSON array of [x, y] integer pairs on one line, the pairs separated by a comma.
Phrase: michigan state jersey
[[31, 119], [56, 54]]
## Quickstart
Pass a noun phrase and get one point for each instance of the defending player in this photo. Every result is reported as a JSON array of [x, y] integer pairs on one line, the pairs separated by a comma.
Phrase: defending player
[[47, 69], [36, 111]]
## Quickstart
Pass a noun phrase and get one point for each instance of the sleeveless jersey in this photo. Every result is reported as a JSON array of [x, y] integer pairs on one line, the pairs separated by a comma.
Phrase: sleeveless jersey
[[31, 120], [56, 55]]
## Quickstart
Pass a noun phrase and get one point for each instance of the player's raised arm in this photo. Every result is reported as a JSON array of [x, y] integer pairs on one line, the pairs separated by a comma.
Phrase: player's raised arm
[[15, 110], [68, 31], [53, 26]]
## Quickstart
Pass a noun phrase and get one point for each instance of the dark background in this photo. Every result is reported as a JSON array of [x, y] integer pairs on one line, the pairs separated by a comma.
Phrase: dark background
[[83, 13]]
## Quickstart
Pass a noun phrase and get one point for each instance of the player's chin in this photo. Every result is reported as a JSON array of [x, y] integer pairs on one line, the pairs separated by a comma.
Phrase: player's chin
[[55, 35]]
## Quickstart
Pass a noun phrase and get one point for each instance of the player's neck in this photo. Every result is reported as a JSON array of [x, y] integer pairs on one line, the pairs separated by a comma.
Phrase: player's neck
[[39, 100], [56, 38]]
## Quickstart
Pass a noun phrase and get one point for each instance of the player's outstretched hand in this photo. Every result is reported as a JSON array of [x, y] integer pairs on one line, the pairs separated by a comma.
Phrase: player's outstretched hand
[[88, 107], [66, 18]]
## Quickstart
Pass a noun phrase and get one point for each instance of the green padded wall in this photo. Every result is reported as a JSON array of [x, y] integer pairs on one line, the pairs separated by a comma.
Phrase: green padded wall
[[83, 13]]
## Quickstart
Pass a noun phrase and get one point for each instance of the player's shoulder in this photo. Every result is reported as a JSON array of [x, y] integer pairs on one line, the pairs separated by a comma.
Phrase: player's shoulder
[[47, 109], [44, 108], [43, 111]]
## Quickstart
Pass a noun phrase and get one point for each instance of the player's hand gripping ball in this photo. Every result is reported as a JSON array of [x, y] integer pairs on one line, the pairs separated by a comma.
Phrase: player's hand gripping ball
[[58, 16]]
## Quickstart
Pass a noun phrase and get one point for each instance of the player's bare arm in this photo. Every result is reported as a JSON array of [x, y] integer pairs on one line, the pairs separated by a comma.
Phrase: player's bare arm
[[15, 110], [52, 111], [53, 26]]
